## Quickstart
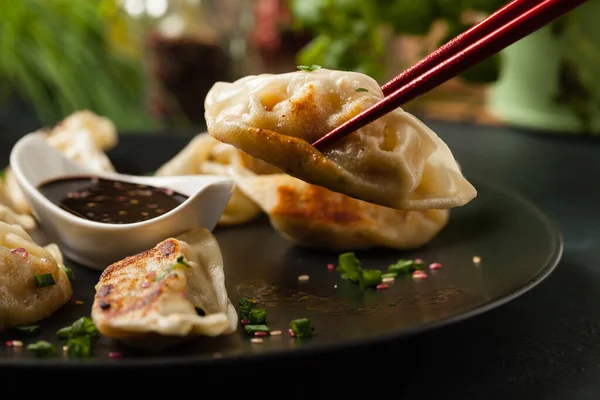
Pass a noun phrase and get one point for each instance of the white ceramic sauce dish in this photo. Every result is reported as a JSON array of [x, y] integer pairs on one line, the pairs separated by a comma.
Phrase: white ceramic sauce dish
[[97, 244]]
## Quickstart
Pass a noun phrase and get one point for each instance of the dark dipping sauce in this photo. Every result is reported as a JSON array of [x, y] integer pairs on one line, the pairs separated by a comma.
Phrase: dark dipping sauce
[[110, 201]]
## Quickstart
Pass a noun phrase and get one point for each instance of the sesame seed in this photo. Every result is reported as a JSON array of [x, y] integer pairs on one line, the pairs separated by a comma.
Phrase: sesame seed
[[303, 278], [330, 267], [114, 354], [78, 302], [91, 204], [388, 279], [276, 333], [476, 259], [435, 266], [134, 201], [256, 340], [335, 286], [122, 212], [258, 334], [418, 274], [418, 261], [65, 348], [291, 332], [17, 343], [382, 286]]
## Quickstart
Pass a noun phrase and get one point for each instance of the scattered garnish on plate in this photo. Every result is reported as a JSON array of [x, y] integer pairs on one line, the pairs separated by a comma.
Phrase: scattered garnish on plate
[[27, 330], [301, 328], [406, 266], [257, 316], [42, 348], [68, 271], [252, 329], [349, 267]]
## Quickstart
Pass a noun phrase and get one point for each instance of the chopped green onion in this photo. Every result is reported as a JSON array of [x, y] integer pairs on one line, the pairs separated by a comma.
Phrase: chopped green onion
[[245, 306], [84, 326], [3, 174], [257, 316], [405, 267], [301, 328], [349, 267], [252, 329], [370, 277], [309, 67], [42, 348], [389, 275], [361, 89], [67, 271], [27, 330], [79, 346], [44, 280], [178, 264]]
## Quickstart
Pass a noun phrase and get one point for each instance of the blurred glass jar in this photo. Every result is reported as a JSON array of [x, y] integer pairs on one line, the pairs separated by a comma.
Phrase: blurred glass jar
[[190, 45]]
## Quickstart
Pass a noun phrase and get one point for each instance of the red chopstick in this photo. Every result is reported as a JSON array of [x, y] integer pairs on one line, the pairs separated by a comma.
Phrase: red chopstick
[[476, 50], [461, 42]]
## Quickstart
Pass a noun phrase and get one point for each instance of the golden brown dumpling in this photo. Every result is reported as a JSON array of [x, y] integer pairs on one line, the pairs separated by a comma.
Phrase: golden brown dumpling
[[317, 217], [395, 161]]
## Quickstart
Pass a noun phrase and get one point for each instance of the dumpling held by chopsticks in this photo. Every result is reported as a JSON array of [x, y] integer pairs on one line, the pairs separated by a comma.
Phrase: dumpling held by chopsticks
[[395, 161]]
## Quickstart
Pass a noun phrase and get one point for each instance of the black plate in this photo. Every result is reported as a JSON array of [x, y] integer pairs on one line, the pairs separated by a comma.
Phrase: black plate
[[519, 247]]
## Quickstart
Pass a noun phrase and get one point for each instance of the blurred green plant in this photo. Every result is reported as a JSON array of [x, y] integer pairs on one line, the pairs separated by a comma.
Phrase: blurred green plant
[[349, 34], [57, 57]]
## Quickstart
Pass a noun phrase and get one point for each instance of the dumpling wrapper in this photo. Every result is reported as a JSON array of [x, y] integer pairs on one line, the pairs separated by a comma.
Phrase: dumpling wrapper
[[313, 216], [21, 302], [83, 137], [395, 161], [11, 217], [204, 155], [132, 307]]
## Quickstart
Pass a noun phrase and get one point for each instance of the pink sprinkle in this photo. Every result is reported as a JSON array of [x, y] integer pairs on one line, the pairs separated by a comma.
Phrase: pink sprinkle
[[418, 261], [435, 266], [382, 286], [114, 354], [291, 332], [330, 267], [169, 192], [145, 285], [9, 343], [151, 275], [18, 250], [260, 333], [418, 274], [244, 322]]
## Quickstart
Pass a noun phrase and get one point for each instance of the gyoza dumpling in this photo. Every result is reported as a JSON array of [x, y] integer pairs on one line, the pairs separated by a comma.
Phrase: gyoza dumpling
[[167, 294], [395, 161], [21, 261], [313, 216], [9, 216], [13, 194], [204, 155], [101, 129]]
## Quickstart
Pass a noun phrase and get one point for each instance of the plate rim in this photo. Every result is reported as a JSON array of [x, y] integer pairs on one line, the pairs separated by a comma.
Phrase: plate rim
[[160, 361]]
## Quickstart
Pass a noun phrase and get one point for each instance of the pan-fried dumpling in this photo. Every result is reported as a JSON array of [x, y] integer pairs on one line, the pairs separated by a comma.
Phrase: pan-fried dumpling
[[313, 216], [101, 130], [204, 155], [395, 161], [13, 194], [9, 216], [21, 260], [170, 293]]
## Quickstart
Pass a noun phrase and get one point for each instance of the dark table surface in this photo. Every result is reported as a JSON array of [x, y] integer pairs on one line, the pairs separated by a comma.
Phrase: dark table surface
[[543, 345]]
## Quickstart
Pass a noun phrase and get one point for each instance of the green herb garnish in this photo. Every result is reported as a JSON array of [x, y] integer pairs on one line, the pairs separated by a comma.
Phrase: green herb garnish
[[178, 264], [79, 346], [27, 330], [245, 305], [349, 267], [361, 89], [68, 271], [44, 280], [370, 278], [42, 348], [257, 316], [312, 67], [84, 326], [252, 329], [3, 174], [389, 275], [301, 328], [405, 267]]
